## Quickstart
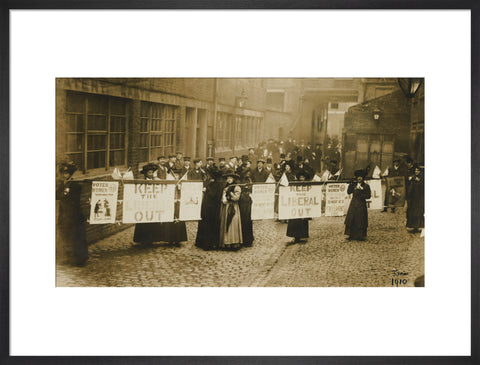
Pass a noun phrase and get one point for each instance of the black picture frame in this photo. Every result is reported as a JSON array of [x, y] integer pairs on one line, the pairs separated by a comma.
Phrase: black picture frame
[[5, 180]]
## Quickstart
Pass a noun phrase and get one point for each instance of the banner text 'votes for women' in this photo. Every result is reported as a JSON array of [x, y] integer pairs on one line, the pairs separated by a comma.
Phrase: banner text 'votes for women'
[[103, 202]]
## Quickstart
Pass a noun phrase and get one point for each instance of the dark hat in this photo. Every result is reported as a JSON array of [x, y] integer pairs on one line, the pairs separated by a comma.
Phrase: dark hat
[[179, 153], [69, 168], [230, 172], [397, 160], [209, 158], [417, 166], [252, 148], [260, 160], [408, 159], [149, 166], [282, 155], [333, 161], [197, 160], [244, 158], [361, 173], [303, 172], [160, 157], [186, 159], [170, 156], [299, 158], [215, 172], [269, 160], [221, 159]]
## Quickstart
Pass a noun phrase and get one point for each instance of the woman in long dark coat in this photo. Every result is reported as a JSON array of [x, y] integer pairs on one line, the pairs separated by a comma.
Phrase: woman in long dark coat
[[209, 227], [416, 201], [245, 205], [71, 220], [298, 228], [356, 222]]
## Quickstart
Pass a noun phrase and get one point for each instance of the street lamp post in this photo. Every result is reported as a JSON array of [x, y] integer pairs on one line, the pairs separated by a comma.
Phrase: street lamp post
[[410, 86]]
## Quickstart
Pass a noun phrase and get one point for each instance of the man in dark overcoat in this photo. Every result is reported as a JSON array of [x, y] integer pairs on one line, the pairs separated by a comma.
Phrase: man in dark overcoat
[[259, 174], [196, 173]]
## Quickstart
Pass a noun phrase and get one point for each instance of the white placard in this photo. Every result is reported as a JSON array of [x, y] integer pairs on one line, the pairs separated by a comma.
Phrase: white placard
[[336, 196], [300, 201], [191, 201], [263, 201], [103, 202], [376, 201], [148, 202]]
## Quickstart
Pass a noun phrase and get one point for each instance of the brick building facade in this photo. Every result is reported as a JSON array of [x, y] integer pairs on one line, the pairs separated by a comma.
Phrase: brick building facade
[[107, 123], [370, 141]]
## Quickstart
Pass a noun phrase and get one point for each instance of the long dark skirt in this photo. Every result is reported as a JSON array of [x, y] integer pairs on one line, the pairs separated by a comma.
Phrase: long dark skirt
[[356, 221], [245, 205], [297, 228], [208, 233], [415, 214]]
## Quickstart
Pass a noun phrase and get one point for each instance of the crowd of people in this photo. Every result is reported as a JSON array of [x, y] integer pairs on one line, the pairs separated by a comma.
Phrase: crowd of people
[[226, 205]]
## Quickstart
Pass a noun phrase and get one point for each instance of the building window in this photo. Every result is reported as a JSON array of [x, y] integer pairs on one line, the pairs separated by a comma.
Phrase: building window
[[276, 100], [333, 105], [238, 131], [96, 130], [157, 130], [224, 120]]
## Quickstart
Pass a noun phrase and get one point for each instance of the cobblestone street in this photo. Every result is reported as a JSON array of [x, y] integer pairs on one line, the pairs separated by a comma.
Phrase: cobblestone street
[[327, 259]]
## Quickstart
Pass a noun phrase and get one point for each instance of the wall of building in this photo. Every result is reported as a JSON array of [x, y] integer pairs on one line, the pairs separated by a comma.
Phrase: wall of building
[[133, 121], [417, 128], [368, 142], [336, 117]]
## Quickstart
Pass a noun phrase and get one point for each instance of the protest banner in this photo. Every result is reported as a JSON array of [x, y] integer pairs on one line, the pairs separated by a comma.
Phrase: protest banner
[[336, 195], [191, 201], [103, 202], [395, 191], [148, 202], [263, 200], [300, 201]]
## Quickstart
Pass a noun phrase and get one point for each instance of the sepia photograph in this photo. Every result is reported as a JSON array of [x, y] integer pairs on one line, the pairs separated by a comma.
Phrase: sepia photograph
[[240, 182]]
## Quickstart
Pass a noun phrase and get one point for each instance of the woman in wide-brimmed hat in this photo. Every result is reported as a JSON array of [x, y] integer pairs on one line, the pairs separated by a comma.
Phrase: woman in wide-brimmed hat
[[230, 219], [356, 221], [72, 243], [298, 228]]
